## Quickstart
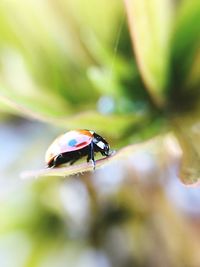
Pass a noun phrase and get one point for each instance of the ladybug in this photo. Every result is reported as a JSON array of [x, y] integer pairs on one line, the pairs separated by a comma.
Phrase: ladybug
[[73, 145]]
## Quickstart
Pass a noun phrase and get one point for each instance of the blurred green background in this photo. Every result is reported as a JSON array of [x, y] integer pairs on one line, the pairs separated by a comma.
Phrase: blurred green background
[[130, 70]]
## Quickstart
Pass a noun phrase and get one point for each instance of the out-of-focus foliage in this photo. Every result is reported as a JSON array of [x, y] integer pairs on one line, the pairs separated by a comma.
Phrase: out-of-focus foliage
[[172, 34], [184, 93], [150, 24], [63, 61], [129, 71], [185, 81], [50, 57]]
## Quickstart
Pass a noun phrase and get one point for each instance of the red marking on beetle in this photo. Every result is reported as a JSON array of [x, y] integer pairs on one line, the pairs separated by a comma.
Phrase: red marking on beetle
[[81, 144]]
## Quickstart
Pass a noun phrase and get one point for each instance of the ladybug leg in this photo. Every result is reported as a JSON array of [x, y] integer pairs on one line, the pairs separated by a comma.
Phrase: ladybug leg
[[88, 158], [73, 161], [91, 155], [60, 159]]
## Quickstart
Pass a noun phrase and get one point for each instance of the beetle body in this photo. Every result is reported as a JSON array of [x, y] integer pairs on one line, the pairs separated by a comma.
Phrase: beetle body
[[73, 145]]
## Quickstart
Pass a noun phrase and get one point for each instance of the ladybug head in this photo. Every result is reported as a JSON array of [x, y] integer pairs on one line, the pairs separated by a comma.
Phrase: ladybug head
[[101, 145]]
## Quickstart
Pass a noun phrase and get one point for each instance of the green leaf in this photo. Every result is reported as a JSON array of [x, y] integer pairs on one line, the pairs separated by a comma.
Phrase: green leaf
[[35, 105], [160, 149], [186, 55], [64, 171], [187, 131], [44, 55], [149, 23], [114, 126]]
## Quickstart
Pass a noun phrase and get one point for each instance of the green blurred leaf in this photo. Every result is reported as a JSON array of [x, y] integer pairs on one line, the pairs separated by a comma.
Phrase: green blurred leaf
[[44, 55], [149, 23], [185, 71], [187, 131], [184, 91], [33, 105], [114, 126]]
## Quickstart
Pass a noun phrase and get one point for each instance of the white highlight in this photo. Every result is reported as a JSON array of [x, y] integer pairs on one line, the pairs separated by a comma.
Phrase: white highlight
[[101, 144]]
